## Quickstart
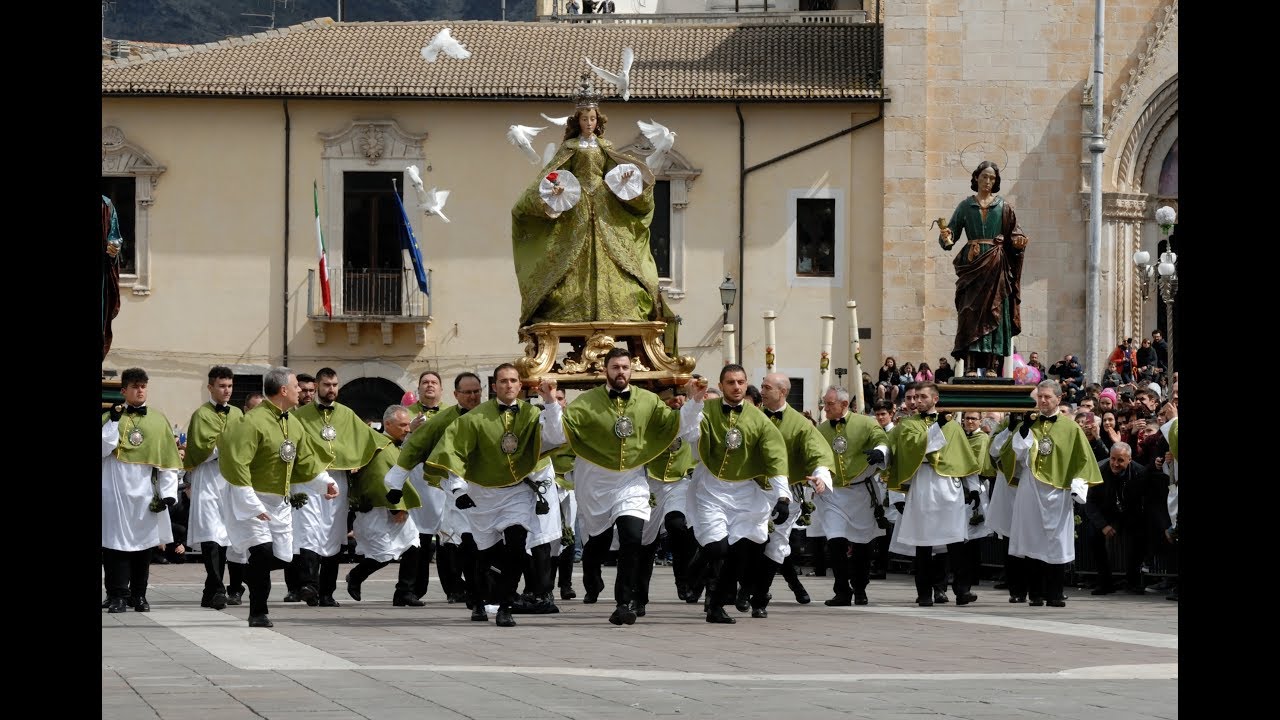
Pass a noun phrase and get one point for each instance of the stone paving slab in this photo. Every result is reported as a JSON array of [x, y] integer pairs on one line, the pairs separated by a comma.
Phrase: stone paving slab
[[1096, 659]]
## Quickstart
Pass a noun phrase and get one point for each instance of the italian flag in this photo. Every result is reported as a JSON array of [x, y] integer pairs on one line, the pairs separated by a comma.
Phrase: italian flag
[[324, 256]]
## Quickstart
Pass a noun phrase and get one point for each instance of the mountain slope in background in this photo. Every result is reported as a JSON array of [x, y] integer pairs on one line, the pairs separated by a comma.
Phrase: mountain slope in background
[[202, 21]]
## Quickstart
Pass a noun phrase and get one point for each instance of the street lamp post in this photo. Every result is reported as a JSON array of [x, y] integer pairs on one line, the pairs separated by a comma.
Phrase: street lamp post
[[728, 293], [1164, 274]]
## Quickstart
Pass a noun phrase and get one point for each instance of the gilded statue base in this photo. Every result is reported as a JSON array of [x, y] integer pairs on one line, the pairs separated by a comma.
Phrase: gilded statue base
[[583, 365]]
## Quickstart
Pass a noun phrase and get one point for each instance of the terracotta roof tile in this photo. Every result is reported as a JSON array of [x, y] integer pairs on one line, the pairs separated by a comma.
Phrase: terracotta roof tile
[[515, 60]]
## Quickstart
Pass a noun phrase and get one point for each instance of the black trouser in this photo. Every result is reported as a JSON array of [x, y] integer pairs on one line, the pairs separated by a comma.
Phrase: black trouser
[[1133, 536], [293, 575], [475, 579], [707, 567], [235, 577], [680, 539], [853, 572], [318, 571], [594, 552], [257, 576], [538, 570], [973, 556], [408, 572], [1015, 576], [818, 545], [644, 573], [215, 563], [449, 570], [422, 574], [629, 531], [505, 560], [927, 567], [562, 569], [1045, 581], [126, 573], [746, 561]]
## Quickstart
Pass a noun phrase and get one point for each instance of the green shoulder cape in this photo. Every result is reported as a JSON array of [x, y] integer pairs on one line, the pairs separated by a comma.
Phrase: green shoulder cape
[[908, 440], [806, 448], [762, 455], [672, 464], [355, 443], [981, 444], [589, 426], [421, 442], [203, 430], [366, 483], [158, 448], [472, 446], [1070, 455], [861, 435], [249, 451]]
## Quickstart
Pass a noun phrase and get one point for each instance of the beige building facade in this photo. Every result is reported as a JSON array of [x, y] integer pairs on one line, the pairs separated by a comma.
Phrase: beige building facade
[[222, 144]]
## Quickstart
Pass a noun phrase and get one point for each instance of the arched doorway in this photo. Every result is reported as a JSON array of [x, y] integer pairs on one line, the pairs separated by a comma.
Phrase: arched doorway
[[369, 397]]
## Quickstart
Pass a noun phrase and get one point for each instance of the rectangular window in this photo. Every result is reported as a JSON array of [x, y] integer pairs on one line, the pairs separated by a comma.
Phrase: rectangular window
[[122, 192], [795, 396], [242, 386], [816, 237], [371, 256], [660, 228]]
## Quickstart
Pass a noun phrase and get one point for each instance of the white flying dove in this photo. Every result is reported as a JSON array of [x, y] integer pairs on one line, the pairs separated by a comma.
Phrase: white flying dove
[[522, 137], [561, 121], [414, 176], [433, 203], [622, 79], [548, 154], [661, 138], [444, 42]]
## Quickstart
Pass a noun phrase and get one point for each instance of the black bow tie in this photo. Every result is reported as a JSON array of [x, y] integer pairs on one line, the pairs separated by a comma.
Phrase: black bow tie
[[322, 406], [835, 423], [731, 408], [1050, 418], [775, 414], [224, 409], [929, 417], [284, 415], [135, 410], [624, 394], [463, 411], [433, 408], [513, 408]]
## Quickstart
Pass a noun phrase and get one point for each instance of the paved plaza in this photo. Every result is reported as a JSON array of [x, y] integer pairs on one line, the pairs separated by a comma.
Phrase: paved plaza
[[1099, 658]]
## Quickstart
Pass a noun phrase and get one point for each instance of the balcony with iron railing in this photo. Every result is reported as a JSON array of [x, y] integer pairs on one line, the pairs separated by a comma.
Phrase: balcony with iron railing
[[370, 297]]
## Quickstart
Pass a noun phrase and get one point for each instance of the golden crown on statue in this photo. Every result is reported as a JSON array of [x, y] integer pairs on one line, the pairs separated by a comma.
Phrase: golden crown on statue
[[586, 95]]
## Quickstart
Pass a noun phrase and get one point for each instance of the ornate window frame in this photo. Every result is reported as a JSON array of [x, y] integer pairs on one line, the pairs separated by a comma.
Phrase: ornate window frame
[[680, 173], [121, 158]]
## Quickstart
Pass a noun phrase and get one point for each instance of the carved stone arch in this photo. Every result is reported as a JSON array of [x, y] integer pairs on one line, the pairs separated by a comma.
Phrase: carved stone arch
[[367, 145], [122, 158], [680, 173], [1150, 126]]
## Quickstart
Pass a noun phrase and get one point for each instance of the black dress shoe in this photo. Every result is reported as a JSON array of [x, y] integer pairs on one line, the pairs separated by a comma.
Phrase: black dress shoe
[[860, 599], [940, 597], [309, 595], [1018, 598], [141, 605], [328, 601], [591, 597], [695, 595], [205, 601], [839, 601], [117, 605], [802, 595], [218, 601], [567, 593], [924, 602], [966, 598], [455, 598], [260, 621], [682, 592], [717, 615], [639, 611], [1057, 603], [107, 603], [1036, 602], [479, 615], [353, 587], [292, 597], [406, 600], [504, 618], [743, 600], [233, 598], [623, 615]]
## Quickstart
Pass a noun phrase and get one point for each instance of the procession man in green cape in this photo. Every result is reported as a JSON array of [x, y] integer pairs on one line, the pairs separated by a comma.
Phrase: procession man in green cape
[[853, 512], [809, 462], [615, 430], [669, 480], [263, 457], [930, 456], [1058, 466], [500, 449], [430, 390], [140, 466], [320, 529], [205, 526], [456, 564], [740, 483], [383, 529]]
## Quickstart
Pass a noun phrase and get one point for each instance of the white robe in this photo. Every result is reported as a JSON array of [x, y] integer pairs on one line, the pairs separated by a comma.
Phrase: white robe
[[547, 528], [427, 517], [982, 529], [669, 497], [321, 525], [247, 530], [605, 495], [127, 521], [204, 521], [935, 513], [1043, 519], [1171, 469], [999, 511], [779, 546], [846, 512], [379, 538], [497, 509]]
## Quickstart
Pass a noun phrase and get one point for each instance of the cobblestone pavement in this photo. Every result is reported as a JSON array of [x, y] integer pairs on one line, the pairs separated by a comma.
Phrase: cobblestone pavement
[[1099, 658]]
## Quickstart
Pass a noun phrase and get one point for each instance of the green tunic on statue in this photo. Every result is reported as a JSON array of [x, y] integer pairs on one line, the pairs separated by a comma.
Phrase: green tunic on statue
[[366, 483], [861, 434], [762, 455], [590, 420], [988, 278], [472, 446], [422, 442], [249, 451], [907, 442], [807, 450], [158, 447], [593, 262], [673, 464], [203, 431], [355, 442]]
